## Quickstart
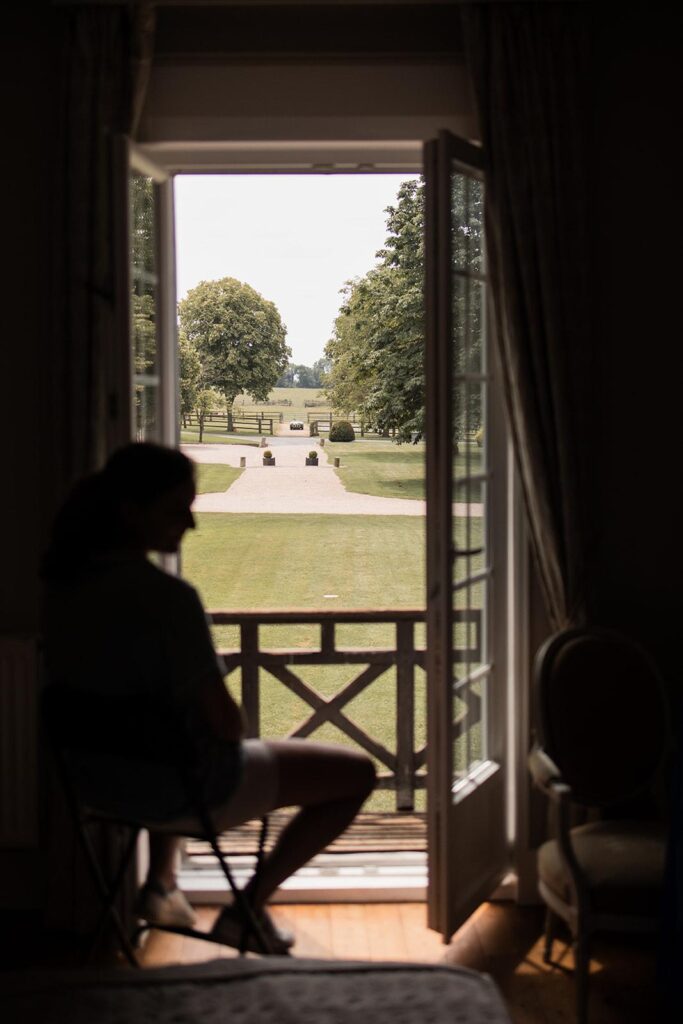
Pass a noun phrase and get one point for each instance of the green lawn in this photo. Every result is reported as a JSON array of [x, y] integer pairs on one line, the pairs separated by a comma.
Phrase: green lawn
[[213, 478], [391, 470], [289, 561], [252, 561], [380, 467]]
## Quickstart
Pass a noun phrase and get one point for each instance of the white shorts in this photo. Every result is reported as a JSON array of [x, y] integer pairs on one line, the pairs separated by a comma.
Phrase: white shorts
[[255, 795]]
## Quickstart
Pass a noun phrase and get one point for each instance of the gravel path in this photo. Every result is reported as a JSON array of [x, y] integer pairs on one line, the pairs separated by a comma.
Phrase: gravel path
[[292, 487]]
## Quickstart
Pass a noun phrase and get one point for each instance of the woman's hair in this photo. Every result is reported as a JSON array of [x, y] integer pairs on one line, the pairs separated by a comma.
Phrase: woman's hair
[[90, 521]]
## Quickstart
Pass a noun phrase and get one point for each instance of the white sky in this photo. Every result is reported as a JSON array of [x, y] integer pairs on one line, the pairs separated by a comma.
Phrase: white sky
[[294, 238]]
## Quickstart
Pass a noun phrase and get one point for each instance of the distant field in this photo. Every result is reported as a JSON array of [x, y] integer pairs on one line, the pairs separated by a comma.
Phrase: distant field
[[297, 396]]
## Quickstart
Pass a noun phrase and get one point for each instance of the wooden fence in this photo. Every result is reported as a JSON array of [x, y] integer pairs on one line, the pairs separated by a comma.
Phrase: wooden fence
[[238, 422]]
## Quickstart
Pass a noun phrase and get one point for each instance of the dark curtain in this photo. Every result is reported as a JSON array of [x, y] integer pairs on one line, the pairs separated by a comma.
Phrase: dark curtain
[[102, 68], [530, 66]]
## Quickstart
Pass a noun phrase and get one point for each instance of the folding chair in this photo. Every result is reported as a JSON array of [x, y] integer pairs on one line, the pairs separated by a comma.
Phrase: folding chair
[[77, 721]]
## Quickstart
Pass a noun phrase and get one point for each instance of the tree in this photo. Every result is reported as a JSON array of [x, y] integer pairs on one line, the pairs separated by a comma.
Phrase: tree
[[190, 373], [321, 367], [144, 361], [377, 348], [298, 375], [239, 336], [205, 401], [347, 382]]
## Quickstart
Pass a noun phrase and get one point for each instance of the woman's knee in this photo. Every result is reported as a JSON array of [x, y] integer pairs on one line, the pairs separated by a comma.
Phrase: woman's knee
[[314, 773], [367, 775]]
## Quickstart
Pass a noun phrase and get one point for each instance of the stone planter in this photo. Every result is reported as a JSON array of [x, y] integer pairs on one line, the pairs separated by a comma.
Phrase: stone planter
[[311, 462], [269, 462]]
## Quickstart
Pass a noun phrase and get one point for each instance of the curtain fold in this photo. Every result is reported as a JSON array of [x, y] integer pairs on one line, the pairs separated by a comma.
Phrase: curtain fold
[[530, 67], [102, 70]]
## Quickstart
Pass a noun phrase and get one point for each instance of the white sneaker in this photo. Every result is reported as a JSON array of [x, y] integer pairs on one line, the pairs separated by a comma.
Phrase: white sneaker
[[164, 907], [229, 926]]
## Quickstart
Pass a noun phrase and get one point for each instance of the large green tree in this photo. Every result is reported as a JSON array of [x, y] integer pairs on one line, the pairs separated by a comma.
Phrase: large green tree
[[377, 348], [239, 336]]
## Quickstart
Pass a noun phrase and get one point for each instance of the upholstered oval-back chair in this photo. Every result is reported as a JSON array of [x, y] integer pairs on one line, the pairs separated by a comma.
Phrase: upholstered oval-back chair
[[603, 731]]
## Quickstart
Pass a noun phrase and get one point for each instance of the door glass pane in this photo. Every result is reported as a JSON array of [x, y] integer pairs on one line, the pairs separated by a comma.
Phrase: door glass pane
[[144, 297], [467, 198], [470, 559]]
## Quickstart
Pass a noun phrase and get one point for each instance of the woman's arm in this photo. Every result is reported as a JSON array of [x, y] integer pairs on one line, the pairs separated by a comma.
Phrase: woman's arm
[[223, 714]]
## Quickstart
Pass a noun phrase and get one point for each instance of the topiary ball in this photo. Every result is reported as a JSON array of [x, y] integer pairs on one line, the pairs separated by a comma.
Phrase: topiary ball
[[341, 430]]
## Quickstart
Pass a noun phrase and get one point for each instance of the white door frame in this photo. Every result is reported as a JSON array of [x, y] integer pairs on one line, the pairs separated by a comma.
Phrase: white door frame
[[357, 157]]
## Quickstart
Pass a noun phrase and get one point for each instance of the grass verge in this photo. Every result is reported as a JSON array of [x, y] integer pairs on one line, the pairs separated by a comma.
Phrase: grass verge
[[212, 478], [390, 470]]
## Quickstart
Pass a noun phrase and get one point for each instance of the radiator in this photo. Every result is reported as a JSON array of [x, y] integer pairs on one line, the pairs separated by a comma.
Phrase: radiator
[[18, 742]]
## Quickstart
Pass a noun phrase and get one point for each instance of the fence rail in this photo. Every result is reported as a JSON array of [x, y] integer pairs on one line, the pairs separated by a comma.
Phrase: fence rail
[[402, 767], [259, 423]]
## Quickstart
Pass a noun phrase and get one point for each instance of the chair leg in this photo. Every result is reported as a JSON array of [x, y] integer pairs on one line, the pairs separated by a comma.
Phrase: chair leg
[[581, 969], [550, 933], [108, 893], [251, 922]]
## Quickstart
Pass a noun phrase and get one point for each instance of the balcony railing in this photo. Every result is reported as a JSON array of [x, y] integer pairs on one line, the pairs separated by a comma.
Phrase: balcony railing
[[401, 768]]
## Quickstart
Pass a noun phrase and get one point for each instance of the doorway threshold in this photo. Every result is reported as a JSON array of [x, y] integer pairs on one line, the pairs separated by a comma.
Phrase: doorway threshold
[[329, 878]]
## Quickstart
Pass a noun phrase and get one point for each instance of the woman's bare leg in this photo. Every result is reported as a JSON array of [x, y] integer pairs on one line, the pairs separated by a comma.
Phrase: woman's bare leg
[[330, 784], [163, 852]]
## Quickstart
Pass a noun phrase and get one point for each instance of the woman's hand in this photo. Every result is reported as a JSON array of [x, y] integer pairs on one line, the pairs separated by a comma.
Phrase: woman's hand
[[224, 716]]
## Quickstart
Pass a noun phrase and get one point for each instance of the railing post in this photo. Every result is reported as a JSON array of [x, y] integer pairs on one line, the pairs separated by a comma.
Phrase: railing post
[[250, 677], [405, 716], [327, 637]]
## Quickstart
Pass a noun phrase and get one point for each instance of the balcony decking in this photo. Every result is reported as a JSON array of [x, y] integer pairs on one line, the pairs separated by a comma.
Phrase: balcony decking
[[370, 833]]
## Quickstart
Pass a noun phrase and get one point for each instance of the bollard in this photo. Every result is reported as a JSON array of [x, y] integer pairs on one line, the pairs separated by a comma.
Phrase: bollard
[[337, 462], [322, 442], [243, 461], [264, 442]]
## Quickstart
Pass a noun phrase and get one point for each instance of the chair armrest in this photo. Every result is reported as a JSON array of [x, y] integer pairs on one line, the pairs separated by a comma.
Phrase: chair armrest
[[548, 778], [547, 775]]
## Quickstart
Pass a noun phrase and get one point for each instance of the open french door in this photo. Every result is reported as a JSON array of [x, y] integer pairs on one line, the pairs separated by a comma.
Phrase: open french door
[[466, 558], [150, 370]]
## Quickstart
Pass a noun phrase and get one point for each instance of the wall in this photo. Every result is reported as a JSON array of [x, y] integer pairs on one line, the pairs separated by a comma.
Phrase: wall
[[26, 55], [638, 326]]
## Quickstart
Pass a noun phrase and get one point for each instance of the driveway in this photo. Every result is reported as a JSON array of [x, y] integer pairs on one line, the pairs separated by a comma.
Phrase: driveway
[[292, 487]]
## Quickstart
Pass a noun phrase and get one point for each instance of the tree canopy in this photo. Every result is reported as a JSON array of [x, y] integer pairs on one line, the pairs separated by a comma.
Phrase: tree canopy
[[238, 336], [298, 375], [189, 372], [377, 348]]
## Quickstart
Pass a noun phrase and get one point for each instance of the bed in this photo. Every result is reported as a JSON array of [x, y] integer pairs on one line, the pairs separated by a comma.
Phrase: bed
[[277, 990]]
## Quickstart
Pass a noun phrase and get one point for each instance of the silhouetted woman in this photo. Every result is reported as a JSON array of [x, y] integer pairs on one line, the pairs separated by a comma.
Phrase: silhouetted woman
[[115, 623]]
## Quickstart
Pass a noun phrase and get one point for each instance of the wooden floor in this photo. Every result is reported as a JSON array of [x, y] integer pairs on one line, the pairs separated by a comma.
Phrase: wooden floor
[[500, 939]]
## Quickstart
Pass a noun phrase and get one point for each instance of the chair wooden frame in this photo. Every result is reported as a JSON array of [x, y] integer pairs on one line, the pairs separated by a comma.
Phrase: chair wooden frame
[[579, 913], [109, 889]]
